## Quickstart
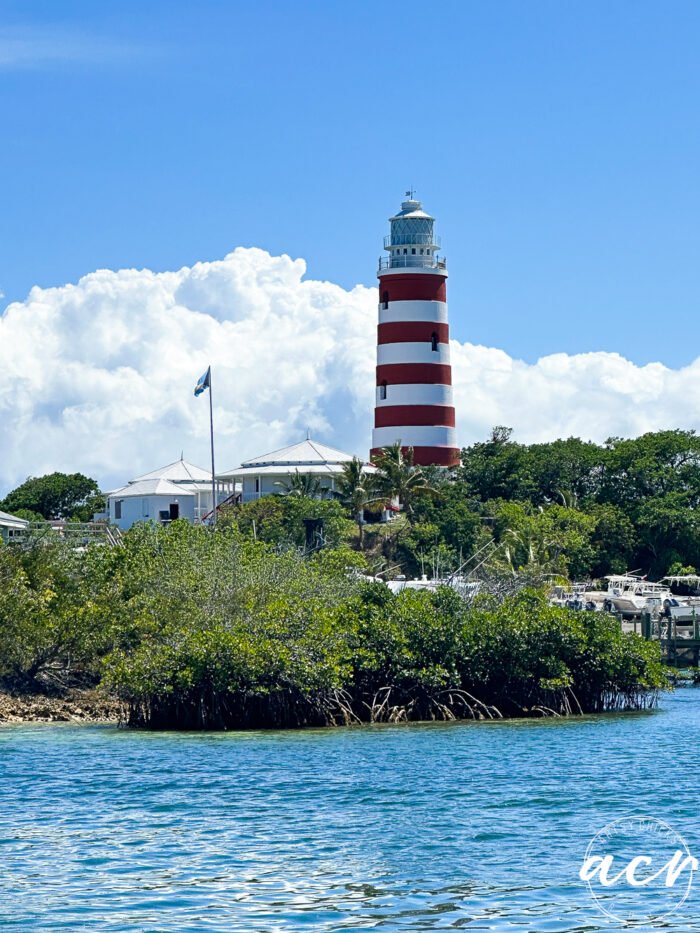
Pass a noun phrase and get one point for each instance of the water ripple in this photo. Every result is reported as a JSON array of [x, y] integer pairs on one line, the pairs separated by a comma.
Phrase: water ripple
[[478, 826]]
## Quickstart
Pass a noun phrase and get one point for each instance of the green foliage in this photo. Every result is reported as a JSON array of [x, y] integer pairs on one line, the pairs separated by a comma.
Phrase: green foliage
[[397, 477], [553, 540], [28, 515], [569, 507], [280, 519], [677, 568], [217, 614], [57, 495], [52, 605], [302, 484], [520, 656], [356, 489], [195, 627]]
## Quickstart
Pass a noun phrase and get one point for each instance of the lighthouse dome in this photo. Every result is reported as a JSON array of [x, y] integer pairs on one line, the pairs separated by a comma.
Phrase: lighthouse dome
[[412, 241], [412, 209]]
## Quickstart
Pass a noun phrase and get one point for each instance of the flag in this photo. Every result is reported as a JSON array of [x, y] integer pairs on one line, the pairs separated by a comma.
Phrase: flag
[[204, 382]]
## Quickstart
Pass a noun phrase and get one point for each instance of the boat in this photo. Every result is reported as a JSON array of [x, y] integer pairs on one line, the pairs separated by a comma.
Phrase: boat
[[456, 582], [631, 595], [684, 605], [578, 596]]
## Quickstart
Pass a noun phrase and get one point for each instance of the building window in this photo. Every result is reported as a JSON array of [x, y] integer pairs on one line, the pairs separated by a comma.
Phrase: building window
[[118, 509], [405, 251], [144, 508], [382, 390], [257, 484], [414, 251], [434, 341], [421, 252], [385, 300]]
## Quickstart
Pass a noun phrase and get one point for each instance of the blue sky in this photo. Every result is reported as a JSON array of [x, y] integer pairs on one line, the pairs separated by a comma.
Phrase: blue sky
[[558, 145]]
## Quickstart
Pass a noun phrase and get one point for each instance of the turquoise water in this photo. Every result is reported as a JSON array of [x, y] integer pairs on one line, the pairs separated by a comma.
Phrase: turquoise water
[[422, 827]]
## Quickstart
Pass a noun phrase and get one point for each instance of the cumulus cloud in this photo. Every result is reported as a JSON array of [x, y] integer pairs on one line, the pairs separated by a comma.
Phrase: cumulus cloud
[[98, 376]]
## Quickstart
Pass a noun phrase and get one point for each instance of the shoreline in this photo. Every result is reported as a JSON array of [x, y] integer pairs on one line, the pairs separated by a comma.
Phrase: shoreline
[[89, 706], [76, 705]]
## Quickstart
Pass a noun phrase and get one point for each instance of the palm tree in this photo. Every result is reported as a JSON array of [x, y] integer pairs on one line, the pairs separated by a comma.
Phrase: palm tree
[[355, 490], [301, 484], [568, 497], [397, 477]]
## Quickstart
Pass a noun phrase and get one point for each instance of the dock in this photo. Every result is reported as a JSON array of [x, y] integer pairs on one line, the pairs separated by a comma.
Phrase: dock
[[680, 644]]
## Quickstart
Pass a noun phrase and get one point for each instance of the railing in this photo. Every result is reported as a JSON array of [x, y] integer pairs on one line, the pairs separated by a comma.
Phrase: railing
[[412, 239], [229, 500], [425, 262], [78, 533]]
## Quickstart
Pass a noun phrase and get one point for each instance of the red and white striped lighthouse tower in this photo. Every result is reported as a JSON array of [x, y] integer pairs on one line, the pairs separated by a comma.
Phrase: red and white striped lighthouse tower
[[414, 377]]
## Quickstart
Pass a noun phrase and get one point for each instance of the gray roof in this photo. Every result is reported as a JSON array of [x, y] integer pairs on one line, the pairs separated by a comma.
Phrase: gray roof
[[307, 457], [411, 209], [154, 487], [178, 472], [306, 452], [11, 521]]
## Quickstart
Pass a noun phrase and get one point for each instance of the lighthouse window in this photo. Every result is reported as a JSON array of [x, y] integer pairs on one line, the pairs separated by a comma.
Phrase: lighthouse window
[[385, 300], [382, 390], [434, 341]]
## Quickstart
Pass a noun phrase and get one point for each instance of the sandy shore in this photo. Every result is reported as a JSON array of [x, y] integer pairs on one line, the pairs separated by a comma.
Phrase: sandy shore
[[76, 705]]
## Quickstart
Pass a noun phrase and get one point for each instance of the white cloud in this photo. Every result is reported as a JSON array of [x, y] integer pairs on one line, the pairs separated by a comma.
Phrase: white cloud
[[98, 376]]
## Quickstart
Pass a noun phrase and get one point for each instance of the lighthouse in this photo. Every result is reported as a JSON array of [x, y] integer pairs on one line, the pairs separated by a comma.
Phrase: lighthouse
[[414, 378]]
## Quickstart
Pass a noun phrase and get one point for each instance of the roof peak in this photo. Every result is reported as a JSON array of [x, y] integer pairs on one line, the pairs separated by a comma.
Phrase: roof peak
[[303, 452], [177, 471]]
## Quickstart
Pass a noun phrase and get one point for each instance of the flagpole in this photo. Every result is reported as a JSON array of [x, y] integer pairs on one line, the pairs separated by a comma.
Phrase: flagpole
[[213, 474]]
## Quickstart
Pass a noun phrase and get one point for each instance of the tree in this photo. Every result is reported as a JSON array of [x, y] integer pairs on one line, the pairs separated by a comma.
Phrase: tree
[[549, 540], [279, 519], [498, 468], [56, 495], [355, 489], [52, 608], [614, 539], [566, 471], [397, 477], [301, 484], [261, 519], [669, 531], [654, 464]]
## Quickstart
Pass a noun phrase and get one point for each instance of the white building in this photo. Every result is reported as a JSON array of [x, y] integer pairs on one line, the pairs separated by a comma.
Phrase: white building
[[11, 526], [259, 476], [178, 490]]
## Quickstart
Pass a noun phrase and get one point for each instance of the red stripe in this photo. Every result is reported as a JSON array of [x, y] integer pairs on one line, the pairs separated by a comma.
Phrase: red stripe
[[416, 287], [414, 374], [389, 416], [412, 332], [426, 456]]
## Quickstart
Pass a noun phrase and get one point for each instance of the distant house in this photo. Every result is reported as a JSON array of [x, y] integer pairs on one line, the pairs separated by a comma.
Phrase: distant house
[[11, 526], [178, 490], [259, 476]]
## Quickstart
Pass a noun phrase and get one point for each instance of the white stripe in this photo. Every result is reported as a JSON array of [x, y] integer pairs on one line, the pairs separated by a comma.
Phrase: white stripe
[[418, 394], [423, 435], [413, 270], [433, 311], [417, 352]]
